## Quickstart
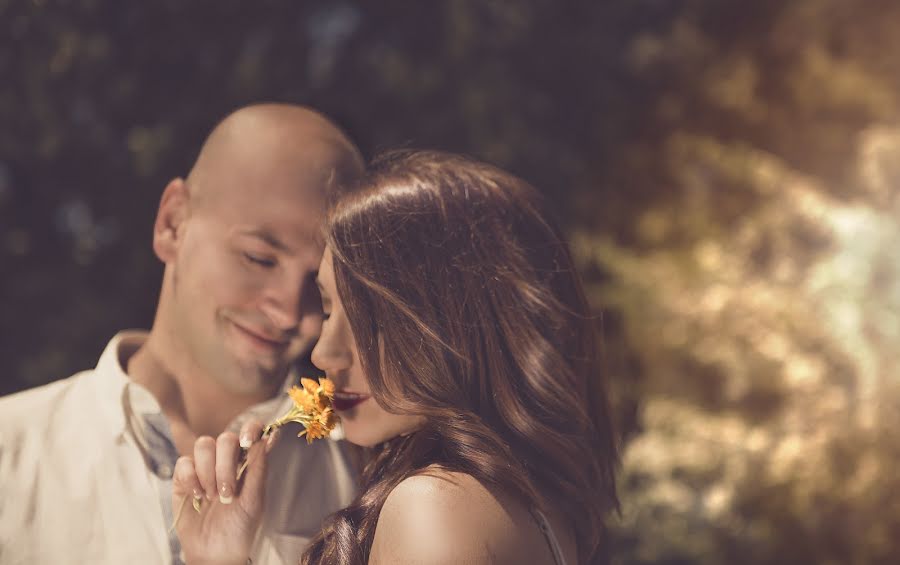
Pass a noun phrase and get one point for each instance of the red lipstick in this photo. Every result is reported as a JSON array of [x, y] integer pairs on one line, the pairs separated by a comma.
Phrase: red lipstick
[[344, 401]]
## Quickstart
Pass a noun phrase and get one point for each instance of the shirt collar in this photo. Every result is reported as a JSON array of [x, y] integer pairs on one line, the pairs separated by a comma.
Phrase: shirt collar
[[111, 382], [117, 394]]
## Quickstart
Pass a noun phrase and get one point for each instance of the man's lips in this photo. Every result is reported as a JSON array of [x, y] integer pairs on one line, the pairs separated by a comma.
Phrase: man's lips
[[343, 401], [259, 339]]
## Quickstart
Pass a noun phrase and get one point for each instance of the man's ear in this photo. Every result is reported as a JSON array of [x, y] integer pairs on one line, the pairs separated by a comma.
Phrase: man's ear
[[174, 209]]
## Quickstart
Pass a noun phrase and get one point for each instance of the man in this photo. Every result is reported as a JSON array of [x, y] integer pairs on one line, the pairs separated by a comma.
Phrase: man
[[86, 462]]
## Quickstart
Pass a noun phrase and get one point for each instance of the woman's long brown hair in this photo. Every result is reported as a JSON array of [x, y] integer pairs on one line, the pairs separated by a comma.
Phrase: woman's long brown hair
[[467, 310]]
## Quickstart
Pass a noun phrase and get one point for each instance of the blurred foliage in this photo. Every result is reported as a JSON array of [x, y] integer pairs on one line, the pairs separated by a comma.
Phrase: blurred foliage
[[758, 289], [728, 172]]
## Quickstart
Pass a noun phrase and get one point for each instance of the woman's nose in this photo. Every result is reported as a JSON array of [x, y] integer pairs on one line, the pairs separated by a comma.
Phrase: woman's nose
[[329, 355]]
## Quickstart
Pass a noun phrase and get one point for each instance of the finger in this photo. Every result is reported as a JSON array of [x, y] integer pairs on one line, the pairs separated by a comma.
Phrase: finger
[[184, 479], [185, 486], [252, 491], [226, 465], [205, 464], [251, 431]]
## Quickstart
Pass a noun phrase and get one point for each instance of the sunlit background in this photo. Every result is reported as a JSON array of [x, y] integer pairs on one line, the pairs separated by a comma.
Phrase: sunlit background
[[728, 173]]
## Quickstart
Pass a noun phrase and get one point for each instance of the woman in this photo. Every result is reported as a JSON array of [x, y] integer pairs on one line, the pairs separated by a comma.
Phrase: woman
[[463, 352]]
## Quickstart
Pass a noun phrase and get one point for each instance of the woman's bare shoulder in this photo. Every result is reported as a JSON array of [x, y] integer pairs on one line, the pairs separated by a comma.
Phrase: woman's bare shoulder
[[446, 516]]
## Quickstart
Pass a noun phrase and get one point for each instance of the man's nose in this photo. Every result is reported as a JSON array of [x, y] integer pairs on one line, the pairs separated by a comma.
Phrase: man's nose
[[288, 300]]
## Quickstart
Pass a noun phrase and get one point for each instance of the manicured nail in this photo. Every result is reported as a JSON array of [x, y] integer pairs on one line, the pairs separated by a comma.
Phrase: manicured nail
[[198, 494], [225, 494], [270, 441], [246, 441]]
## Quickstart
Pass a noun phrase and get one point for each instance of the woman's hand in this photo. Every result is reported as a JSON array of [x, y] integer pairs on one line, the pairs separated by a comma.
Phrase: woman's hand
[[230, 509]]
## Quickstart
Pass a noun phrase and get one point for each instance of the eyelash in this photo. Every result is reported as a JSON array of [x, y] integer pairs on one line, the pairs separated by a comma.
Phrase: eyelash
[[259, 261]]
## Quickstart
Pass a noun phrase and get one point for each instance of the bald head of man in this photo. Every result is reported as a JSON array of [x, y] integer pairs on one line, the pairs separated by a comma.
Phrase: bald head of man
[[241, 241], [274, 142]]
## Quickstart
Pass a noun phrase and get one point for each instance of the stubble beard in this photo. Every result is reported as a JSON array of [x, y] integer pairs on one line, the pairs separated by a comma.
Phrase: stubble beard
[[210, 353], [239, 375]]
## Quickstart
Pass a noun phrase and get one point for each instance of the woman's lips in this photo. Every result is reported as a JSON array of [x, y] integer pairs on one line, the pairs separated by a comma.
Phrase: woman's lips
[[344, 401]]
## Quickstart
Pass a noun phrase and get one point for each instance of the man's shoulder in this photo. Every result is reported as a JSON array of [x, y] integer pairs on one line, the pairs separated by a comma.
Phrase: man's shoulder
[[323, 461], [19, 411], [39, 428], [79, 394], [306, 483]]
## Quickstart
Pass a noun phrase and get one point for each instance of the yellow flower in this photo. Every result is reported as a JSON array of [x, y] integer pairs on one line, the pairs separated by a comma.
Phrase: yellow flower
[[309, 385], [327, 387], [313, 393], [315, 430], [302, 399], [327, 418], [312, 409]]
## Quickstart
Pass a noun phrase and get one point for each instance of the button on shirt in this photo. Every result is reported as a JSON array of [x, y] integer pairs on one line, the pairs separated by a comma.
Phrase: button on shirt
[[86, 474]]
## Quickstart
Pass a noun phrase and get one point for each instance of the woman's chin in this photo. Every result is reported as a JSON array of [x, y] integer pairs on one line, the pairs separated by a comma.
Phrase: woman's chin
[[366, 438], [371, 431]]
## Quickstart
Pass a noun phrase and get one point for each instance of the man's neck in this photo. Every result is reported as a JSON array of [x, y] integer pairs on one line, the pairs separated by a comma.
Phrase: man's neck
[[193, 403]]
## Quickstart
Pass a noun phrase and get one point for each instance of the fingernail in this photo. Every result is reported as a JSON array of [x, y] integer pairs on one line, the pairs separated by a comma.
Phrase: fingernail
[[225, 495], [246, 441], [197, 493], [270, 441]]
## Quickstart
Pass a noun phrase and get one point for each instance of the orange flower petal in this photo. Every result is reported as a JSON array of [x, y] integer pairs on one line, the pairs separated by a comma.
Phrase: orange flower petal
[[327, 387], [296, 394], [309, 385]]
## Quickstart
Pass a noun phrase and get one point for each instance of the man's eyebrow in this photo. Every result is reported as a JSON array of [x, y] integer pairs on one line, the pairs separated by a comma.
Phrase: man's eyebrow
[[267, 237]]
